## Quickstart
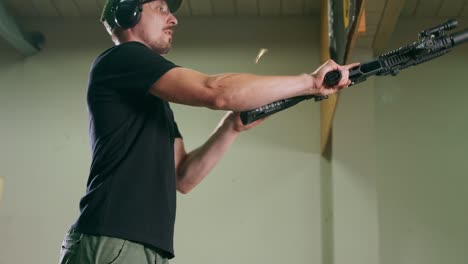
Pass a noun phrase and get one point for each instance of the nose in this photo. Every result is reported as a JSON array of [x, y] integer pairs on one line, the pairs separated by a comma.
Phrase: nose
[[172, 20]]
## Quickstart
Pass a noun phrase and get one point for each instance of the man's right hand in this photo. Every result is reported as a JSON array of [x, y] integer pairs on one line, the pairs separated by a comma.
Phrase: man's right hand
[[319, 86]]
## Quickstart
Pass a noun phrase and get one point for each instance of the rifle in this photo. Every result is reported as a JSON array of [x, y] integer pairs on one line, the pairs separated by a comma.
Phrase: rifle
[[432, 43]]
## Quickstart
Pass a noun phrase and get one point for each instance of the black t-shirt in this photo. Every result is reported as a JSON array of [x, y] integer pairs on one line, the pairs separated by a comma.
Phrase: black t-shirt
[[131, 189]]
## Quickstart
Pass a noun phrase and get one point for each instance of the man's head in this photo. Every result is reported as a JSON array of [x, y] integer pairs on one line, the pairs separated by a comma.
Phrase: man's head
[[148, 21]]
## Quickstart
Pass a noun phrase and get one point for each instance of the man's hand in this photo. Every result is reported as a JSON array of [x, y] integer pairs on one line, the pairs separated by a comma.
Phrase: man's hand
[[232, 119], [320, 88]]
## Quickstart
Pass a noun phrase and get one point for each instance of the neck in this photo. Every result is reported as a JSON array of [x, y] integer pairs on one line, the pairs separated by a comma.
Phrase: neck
[[121, 36]]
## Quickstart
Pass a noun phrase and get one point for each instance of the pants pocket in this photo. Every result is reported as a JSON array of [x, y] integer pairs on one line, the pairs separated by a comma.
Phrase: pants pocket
[[104, 250], [70, 247]]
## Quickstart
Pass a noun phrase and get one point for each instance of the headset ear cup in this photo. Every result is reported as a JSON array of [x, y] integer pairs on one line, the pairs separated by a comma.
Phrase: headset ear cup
[[127, 14]]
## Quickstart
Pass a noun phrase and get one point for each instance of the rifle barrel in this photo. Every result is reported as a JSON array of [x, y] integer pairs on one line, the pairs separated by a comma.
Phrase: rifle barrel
[[460, 37]]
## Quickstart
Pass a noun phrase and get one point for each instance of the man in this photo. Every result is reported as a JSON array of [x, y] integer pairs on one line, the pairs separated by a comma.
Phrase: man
[[139, 160]]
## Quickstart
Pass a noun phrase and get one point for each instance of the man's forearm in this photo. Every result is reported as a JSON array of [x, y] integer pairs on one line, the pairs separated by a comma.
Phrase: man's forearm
[[236, 92], [199, 162], [240, 92]]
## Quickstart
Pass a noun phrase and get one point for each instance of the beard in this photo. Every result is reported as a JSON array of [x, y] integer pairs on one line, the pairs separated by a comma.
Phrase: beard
[[161, 47], [165, 50]]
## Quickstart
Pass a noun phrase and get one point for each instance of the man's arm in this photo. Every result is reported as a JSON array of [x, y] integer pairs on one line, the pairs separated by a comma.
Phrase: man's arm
[[242, 91], [191, 168]]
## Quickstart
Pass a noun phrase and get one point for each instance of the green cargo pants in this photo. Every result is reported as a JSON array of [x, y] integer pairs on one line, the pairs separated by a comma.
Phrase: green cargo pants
[[78, 248]]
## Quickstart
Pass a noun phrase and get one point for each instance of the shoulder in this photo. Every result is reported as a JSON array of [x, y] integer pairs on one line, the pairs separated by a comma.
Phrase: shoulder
[[124, 50], [129, 57]]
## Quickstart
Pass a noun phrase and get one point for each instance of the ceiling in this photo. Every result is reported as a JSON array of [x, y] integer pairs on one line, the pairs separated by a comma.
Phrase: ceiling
[[91, 8], [378, 12]]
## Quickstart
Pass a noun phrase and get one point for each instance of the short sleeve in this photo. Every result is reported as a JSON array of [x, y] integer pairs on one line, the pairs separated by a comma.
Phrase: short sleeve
[[130, 68], [177, 133]]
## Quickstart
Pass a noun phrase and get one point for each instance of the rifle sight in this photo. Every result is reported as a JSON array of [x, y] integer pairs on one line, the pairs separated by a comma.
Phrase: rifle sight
[[439, 30]]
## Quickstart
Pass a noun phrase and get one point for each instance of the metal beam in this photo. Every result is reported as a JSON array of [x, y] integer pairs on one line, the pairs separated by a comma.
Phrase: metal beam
[[328, 107], [326, 182], [327, 113], [11, 33]]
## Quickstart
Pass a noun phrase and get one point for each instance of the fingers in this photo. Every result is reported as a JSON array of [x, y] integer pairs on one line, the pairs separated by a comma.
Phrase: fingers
[[351, 65], [331, 65], [345, 78], [348, 83], [345, 81], [254, 124], [320, 73], [239, 126]]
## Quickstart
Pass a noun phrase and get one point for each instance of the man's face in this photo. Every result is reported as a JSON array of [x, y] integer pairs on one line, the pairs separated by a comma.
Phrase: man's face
[[156, 25]]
